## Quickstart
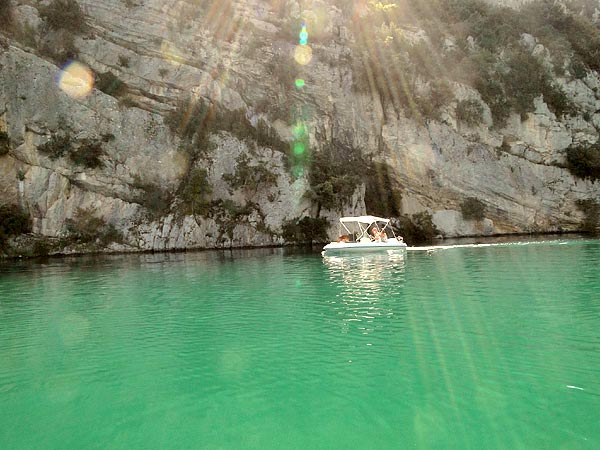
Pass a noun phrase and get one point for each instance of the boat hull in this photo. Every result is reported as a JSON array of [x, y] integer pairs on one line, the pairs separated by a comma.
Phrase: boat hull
[[352, 248]]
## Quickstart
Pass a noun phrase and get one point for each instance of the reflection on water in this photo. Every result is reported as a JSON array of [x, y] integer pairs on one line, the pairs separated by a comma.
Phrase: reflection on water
[[367, 288], [365, 272]]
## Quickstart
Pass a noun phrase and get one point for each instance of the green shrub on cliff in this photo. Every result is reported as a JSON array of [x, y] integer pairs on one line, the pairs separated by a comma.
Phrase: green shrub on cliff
[[591, 211], [65, 15], [84, 227], [193, 120], [228, 214], [13, 221], [88, 154], [250, 177], [6, 15], [469, 111], [110, 84], [57, 146], [305, 230], [439, 96], [85, 152], [194, 192], [58, 46], [475, 43], [152, 196], [578, 31], [584, 161], [335, 173], [189, 118], [511, 84], [4, 143], [416, 229], [472, 209]]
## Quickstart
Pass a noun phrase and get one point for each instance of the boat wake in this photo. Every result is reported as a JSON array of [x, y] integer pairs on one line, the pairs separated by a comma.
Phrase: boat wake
[[432, 248]]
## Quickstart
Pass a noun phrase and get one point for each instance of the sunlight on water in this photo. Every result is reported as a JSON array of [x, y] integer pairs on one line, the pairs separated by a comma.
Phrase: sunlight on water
[[486, 347]]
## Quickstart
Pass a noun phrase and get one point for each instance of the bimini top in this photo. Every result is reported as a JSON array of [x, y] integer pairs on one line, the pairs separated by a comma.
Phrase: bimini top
[[363, 219]]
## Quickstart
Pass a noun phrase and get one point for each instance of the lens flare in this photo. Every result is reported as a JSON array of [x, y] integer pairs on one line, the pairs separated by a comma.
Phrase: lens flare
[[299, 131], [299, 148], [75, 79], [303, 54], [171, 53], [299, 83], [303, 35], [298, 171]]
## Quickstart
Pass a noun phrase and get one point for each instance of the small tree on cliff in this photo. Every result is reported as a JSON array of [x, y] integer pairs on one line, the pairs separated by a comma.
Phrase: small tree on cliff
[[64, 15], [194, 191], [335, 173], [6, 15]]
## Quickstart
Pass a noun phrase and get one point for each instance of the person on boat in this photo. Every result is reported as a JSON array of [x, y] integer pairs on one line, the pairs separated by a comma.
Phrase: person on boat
[[378, 235], [344, 238], [383, 237], [375, 233]]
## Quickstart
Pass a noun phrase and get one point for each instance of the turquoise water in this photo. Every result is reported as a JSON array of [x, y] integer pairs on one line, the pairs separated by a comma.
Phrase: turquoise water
[[461, 348]]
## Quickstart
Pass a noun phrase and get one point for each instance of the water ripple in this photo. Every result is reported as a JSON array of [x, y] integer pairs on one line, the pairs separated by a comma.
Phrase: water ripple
[[485, 344]]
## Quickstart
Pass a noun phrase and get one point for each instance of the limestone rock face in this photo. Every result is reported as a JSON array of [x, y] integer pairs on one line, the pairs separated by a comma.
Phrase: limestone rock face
[[163, 52]]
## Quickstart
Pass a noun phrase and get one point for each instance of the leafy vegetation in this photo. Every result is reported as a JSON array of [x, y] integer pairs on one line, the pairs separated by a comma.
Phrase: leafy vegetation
[[472, 209], [110, 84], [58, 145], [64, 15], [88, 154], [153, 197], [513, 82], [584, 161], [439, 95], [591, 210], [305, 230], [335, 173], [6, 15], [85, 152], [26, 35], [195, 119], [13, 221], [472, 42], [469, 112], [229, 214], [194, 192], [59, 46], [416, 229], [4, 143], [124, 61], [41, 247], [86, 228], [250, 178]]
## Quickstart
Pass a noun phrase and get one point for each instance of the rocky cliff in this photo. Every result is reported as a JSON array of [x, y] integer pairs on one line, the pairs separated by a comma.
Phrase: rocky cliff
[[202, 122]]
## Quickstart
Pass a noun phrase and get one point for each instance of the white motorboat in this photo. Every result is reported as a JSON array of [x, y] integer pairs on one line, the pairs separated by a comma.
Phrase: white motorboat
[[365, 234]]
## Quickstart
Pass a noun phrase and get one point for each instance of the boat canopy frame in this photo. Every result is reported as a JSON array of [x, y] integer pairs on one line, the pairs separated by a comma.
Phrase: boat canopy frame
[[364, 223]]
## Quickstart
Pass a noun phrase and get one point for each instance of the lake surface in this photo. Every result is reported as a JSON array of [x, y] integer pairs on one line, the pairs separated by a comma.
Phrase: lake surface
[[461, 348]]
